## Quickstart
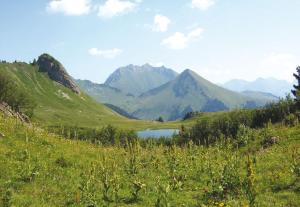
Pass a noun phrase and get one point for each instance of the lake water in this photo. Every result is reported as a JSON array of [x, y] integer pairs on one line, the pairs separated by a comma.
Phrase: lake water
[[157, 133]]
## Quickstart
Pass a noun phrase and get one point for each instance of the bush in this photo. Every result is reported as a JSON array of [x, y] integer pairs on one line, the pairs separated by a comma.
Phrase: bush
[[228, 125], [291, 120], [107, 135], [15, 97], [244, 135]]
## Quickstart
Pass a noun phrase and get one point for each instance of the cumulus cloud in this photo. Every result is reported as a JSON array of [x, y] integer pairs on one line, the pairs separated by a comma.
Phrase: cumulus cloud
[[69, 7], [161, 23], [109, 54], [202, 4], [113, 8], [180, 41]]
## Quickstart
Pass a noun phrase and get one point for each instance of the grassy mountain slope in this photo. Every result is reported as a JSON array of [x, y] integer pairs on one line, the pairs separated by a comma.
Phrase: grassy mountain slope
[[108, 95], [189, 92], [40, 169], [58, 105], [139, 79]]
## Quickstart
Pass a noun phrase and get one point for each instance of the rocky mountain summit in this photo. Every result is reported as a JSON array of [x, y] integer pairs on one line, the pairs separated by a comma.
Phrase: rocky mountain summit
[[56, 72], [135, 80]]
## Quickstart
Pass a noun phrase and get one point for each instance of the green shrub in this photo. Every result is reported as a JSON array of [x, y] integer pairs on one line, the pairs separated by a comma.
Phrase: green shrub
[[244, 135], [291, 120], [15, 97], [208, 131]]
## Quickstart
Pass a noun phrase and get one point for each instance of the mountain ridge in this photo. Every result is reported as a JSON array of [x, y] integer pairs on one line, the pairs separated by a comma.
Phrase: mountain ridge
[[136, 79], [187, 92], [58, 105], [274, 86]]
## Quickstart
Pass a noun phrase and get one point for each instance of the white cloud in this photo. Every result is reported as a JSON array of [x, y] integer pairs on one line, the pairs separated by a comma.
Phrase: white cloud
[[202, 4], [69, 7], [109, 54], [161, 23], [278, 65], [180, 41], [113, 8]]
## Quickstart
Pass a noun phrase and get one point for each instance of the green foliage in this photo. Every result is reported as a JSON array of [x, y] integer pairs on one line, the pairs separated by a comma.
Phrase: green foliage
[[226, 184], [107, 135], [192, 114], [14, 96], [291, 120], [42, 169], [244, 135], [137, 186], [160, 119], [174, 166], [6, 198], [88, 188], [163, 194], [296, 91], [249, 183], [295, 166], [236, 125]]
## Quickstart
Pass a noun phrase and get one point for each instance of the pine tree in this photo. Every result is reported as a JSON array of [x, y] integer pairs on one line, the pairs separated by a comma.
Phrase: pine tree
[[160, 119], [296, 91]]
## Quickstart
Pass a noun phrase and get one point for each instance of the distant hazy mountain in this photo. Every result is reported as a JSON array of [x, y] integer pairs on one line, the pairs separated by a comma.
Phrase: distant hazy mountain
[[260, 95], [189, 92], [139, 79], [270, 85]]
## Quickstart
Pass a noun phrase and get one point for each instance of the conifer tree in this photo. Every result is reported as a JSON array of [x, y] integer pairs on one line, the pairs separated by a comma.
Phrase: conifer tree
[[296, 91]]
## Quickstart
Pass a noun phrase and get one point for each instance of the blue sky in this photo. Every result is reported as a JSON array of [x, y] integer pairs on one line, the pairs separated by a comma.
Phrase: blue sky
[[219, 39]]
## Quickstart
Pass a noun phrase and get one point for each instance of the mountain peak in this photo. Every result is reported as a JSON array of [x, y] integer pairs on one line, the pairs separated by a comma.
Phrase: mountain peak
[[147, 65], [56, 71], [136, 80], [189, 73]]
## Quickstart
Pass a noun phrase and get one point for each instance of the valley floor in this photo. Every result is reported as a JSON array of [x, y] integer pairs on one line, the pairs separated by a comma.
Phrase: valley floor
[[41, 169]]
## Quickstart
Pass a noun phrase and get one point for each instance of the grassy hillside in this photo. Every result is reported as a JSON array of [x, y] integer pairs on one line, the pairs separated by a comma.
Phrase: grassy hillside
[[58, 105], [108, 95], [40, 169]]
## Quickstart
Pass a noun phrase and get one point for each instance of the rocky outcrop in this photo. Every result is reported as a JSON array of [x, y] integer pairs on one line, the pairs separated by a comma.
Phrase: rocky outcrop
[[6, 110], [56, 72]]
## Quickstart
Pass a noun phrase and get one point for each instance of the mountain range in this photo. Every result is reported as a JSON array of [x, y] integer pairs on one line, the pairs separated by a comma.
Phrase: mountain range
[[276, 87], [167, 94], [140, 92], [59, 100]]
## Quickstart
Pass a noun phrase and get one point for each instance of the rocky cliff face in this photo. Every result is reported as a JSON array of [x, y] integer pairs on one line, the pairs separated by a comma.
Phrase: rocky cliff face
[[56, 72]]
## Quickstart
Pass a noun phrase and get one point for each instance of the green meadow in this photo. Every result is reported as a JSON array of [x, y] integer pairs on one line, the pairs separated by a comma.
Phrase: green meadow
[[43, 169]]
